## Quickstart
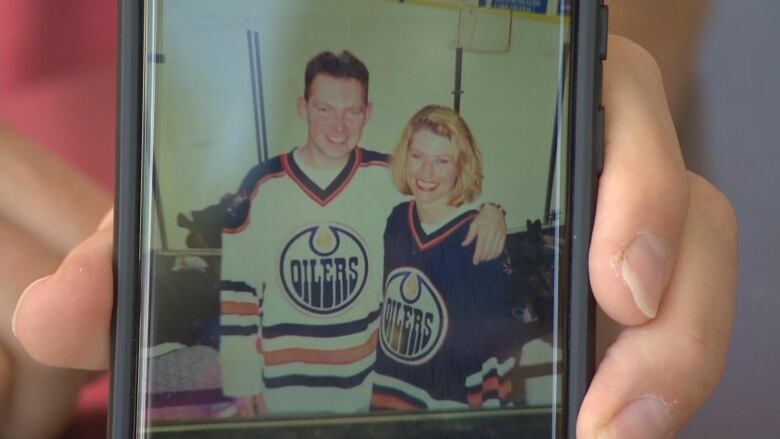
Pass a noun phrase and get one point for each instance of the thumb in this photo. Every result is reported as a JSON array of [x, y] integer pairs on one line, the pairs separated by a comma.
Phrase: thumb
[[64, 320]]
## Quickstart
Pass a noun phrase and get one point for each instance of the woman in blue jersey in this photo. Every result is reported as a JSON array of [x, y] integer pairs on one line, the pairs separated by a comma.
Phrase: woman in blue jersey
[[445, 322]]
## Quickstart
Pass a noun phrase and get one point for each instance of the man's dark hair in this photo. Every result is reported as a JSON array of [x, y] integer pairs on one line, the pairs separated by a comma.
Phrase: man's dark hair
[[345, 65]]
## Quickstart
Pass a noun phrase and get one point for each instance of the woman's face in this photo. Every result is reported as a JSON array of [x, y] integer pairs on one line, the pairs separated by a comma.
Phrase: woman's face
[[431, 168]]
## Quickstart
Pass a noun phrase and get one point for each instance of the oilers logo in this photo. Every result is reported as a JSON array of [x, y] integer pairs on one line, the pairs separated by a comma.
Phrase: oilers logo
[[323, 268], [414, 317]]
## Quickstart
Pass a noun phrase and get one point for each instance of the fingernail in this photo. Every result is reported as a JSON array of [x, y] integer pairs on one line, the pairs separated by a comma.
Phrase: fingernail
[[646, 270], [21, 299], [646, 418]]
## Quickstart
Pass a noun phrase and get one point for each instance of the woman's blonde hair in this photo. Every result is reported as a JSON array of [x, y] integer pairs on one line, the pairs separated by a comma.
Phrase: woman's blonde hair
[[445, 122]]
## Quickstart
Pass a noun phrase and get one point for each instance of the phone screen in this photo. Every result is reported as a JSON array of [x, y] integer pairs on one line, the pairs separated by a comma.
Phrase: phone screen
[[355, 218]]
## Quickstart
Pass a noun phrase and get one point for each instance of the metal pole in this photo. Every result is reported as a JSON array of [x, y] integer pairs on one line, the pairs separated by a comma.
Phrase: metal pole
[[458, 74]]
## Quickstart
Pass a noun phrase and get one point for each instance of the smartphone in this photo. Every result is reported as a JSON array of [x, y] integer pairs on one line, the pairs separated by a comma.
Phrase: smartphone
[[355, 218]]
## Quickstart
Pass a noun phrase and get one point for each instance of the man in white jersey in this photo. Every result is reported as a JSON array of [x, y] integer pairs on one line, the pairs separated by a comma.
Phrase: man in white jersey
[[302, 258]]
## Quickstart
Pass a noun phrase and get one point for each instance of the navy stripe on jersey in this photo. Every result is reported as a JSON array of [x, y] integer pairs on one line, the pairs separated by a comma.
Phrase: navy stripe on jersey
[[229, 285], [259, 172], [240, 330], [335, 330], [490, 388], [237, 210], [322, 196], [425, 240], [373, 157], [318, 381], [395, 393], [187, 397]]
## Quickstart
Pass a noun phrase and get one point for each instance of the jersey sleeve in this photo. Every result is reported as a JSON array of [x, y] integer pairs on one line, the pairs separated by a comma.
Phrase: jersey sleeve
[[241, 289], [240, 355], [241, 299], [488, 384]]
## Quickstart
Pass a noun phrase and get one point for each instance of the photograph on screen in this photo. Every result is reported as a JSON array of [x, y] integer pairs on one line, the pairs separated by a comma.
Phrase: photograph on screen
[[356, 208]]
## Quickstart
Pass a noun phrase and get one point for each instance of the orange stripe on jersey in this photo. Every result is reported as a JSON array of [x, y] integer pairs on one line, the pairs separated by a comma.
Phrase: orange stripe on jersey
[[239, 308], [390, 402], [318, 356], [375, 163], [252, 197], [503, 388], [476, 399]]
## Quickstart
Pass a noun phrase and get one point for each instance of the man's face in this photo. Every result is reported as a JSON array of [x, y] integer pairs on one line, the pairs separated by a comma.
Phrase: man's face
[[336, 112]]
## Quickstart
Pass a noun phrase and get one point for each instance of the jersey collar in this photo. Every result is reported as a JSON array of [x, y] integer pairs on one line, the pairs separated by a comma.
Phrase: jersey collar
[[425, 241], [319, 195]]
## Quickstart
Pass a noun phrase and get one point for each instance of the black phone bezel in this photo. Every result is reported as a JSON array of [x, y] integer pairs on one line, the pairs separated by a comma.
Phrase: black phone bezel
[[586, 150]]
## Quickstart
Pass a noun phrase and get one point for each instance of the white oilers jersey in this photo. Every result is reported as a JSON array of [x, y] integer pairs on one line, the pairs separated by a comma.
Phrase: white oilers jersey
[[302, 284]]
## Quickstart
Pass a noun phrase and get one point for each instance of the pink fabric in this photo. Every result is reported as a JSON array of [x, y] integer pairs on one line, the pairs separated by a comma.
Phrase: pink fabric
[[58, 80], [90, 421], [58, 87]]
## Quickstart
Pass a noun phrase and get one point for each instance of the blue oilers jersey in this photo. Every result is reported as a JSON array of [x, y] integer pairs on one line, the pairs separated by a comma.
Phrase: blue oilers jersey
[[302, 283], [446, 326]]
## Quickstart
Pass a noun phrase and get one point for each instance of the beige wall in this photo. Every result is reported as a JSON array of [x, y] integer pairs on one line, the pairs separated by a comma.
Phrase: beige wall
[[205, 138]]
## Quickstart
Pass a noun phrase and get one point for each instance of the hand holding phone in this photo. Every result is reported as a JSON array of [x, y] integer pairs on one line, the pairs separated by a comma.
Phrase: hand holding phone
[[41, 334]]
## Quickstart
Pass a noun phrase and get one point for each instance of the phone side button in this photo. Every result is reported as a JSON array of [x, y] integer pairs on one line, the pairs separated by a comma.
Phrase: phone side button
[[603, 31], [598, 142]]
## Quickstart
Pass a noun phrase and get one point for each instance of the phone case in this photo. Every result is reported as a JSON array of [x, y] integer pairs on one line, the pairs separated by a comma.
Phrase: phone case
[[588, 162], [587, 122]]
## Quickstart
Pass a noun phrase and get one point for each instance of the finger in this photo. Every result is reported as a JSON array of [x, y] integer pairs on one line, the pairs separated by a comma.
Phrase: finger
[[497, 246], [502, 243], [643, 191], [492, 249], [64, 320], [107, 223], [481, 248], [35, 400], [470, 235], [46, 187], [6, 379], [655, 377]]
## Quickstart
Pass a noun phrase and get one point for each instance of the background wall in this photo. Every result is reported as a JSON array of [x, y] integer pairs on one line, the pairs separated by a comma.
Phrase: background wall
[[206, 136], [735, 142]]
